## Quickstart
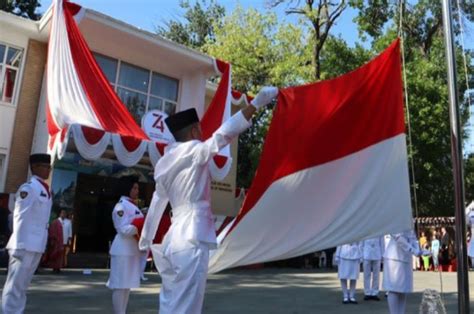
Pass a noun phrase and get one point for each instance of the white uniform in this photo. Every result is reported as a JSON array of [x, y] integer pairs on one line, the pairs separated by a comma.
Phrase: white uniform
[[125, 269], [27, 242], [348, 258], [470, 222], [398, 274], [372, 251], [182, 178], [67, 230]]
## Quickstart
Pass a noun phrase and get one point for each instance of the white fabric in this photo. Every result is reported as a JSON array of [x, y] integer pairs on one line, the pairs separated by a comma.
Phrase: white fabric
[[372, 249], [153, 153], [371, 277], [120, 300], [182, 177], [31, 217], [397, 302], [67, 99], [312, 210], [124, 156], [20, 272], [67, 229], [183, 276], [402, 246], [397, 276], [348, 269], [470, 222], [264, 96], [217, 173], [86, 150], [125, 243], [125, 272], [350, 251]]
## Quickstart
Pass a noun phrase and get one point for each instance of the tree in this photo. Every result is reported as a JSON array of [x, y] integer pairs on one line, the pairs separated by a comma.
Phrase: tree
[[23, 8], [198, 26], [321, 15], [427, 91]]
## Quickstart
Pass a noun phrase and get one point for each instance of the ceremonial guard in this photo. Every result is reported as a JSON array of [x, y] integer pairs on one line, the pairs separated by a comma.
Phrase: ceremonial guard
[[348, 258], [183, 179], [125, 266], [372, 251], [30, 232], [470, 222], [398, 272]]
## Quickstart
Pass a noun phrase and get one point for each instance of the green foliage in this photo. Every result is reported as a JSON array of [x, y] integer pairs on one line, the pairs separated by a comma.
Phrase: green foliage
[[198, 26], [23, 8]]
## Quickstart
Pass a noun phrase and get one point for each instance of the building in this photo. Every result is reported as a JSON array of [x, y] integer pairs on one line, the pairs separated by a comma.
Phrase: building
[[146, 71]]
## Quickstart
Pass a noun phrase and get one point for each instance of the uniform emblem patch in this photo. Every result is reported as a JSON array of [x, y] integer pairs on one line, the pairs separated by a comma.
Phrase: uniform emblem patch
[[137, 212], [120, 213], [23, 194]]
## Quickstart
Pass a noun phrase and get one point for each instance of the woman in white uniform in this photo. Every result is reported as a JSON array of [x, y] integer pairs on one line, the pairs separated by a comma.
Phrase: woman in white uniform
[[348, 259], [470, 222], [125, 266], [398, 272]]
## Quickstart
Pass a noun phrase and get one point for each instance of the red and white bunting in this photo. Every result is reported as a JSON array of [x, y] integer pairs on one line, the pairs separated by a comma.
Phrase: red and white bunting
[[90, 143], [128, 150]]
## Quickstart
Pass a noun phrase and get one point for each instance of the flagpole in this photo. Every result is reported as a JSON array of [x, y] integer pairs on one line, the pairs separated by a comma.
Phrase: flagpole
[[456, 156]]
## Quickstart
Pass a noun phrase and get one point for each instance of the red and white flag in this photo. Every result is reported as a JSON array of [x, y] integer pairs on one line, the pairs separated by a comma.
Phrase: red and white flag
[[333, 169]]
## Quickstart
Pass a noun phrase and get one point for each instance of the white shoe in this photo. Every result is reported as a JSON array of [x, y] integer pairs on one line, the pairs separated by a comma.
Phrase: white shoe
[[143, 278]]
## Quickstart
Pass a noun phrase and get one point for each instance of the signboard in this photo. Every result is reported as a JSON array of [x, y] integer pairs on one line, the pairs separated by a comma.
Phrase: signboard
[[153, 123]]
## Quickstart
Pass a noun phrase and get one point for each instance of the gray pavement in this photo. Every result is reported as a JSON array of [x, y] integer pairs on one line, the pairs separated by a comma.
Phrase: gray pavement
[[273, 290]]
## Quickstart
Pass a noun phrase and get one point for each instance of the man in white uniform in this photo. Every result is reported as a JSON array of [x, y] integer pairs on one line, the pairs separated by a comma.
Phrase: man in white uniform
[[182, 178], [30, 233], [372, 251]]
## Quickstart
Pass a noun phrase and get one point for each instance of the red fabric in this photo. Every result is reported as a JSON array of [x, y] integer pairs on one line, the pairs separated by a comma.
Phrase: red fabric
[[212, 119], [237, 95], [109, 109], [53, 129], [55, 248], [226, 221], [9, 83], [92, 136], [220, 161], [46, 186], [130, 143], [321, 122], [163, 227], [161, 147]]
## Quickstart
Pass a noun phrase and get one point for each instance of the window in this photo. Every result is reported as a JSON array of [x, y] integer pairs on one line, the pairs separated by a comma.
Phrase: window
[[10, 61], [138, 88]]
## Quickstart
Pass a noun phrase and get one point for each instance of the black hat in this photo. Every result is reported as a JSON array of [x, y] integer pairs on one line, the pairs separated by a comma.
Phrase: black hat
[[40, 158], [182, 120]]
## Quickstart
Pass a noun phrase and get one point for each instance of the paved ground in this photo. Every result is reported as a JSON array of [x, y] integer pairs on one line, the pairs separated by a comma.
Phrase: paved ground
[[275, 291]]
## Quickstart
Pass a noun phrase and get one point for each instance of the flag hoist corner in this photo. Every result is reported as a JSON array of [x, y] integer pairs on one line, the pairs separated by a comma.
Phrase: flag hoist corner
[[333, 169]]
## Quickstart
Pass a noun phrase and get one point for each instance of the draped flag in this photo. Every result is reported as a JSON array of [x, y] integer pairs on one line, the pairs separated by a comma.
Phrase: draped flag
[[333, 169]]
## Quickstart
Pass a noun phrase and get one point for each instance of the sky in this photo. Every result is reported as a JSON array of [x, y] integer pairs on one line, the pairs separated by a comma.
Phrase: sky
[[147, 14]]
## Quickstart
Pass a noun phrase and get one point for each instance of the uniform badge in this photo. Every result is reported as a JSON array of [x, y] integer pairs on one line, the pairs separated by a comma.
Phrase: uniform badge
[[23, 194], [137, 212], [43, 194], [120, 213]]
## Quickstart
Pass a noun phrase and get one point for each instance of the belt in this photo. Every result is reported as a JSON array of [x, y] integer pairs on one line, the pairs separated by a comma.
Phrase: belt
[[189, 207]]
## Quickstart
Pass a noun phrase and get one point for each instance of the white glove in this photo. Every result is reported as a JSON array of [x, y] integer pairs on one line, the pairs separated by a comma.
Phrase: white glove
[[336, 261], [18, 254], [264, 96], [144, 244]]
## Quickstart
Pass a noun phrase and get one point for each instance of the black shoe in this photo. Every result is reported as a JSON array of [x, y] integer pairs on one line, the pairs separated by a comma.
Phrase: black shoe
[[375, 298], [367, 297], [345, 301], [353, 301]]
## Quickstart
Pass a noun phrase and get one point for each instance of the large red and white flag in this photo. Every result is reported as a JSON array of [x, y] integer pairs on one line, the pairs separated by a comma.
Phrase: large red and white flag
[[333, 169]]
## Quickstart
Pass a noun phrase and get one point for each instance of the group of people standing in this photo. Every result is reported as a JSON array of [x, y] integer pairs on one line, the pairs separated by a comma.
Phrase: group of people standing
[[59, 242], [396, 253], [439, 244]]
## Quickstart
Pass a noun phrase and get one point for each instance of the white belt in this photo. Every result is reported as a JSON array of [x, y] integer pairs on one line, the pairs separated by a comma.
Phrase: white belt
[[196, 207]]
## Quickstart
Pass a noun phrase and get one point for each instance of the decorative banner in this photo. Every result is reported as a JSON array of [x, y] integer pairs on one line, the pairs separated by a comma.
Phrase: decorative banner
[[156, 150], [333, 169], [90, 143], [128, 150]]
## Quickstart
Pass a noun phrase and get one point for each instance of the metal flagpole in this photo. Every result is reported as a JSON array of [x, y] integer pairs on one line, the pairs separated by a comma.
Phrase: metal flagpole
[[456, 155]]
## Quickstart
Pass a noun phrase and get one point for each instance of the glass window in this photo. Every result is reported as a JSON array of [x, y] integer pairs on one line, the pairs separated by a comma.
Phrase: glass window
[[134, 77], [155, 104], [3, 48], [135, 102], [170, 108], [8, 85], [164, 86], [14, 57], [108, 66]]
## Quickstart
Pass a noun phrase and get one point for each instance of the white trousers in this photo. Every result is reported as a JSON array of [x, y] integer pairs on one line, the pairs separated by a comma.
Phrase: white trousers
[[183, 275], [120, 300], [397, 302], [20, 273], [371, 277]]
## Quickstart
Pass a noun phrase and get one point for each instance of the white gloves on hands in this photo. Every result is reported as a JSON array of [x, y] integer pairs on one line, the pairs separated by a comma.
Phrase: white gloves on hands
[[144, 244], [264, 96]]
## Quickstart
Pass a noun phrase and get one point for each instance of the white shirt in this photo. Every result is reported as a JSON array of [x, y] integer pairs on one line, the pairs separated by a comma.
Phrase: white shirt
[[182, 177], [372, 249], [349, 251], [125, 243], [67, 229], [402, 246], [31, 216]]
